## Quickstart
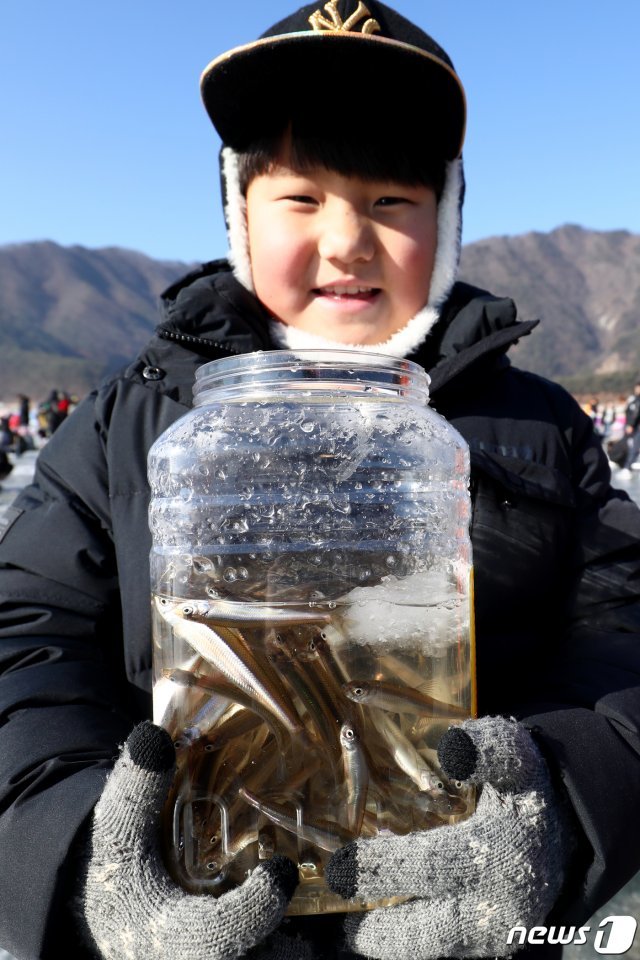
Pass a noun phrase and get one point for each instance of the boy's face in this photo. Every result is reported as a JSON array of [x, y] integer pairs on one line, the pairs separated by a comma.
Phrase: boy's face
[[345, 258]]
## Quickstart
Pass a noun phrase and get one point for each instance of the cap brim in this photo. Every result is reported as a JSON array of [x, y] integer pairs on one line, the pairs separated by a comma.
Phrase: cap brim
[[249, 89]]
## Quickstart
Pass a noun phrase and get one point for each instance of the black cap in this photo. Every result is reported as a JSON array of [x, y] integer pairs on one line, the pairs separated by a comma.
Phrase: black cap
[[336, 56]]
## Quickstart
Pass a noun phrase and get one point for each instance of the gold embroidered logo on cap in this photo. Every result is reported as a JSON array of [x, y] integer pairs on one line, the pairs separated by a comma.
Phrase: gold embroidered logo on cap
[[337, 24]]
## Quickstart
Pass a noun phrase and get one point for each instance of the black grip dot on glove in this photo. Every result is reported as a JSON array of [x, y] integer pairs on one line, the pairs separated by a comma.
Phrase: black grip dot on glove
[[341, 872], [151, 747], [457, 754], [283, 872]]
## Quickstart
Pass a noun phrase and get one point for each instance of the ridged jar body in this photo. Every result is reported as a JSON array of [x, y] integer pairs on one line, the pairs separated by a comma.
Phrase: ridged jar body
[[313, 619]]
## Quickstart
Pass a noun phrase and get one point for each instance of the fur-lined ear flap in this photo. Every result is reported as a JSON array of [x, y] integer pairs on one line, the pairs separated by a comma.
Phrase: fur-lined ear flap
[[235, 215], [445, 268]]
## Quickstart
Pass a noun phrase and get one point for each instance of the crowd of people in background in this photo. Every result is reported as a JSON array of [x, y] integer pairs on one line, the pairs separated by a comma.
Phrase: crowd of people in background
[[25, 427], [618, 424], [53, 411]]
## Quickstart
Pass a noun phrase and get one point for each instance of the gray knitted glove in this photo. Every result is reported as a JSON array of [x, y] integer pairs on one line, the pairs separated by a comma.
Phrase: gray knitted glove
[[130, 907], [474, 880], [281, 947]]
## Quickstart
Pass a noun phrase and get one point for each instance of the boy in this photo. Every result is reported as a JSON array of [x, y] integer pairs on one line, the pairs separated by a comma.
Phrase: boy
[[343, 128]]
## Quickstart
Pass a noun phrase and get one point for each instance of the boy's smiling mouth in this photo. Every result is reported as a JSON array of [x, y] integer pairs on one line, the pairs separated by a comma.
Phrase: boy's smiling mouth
[[347, 293]]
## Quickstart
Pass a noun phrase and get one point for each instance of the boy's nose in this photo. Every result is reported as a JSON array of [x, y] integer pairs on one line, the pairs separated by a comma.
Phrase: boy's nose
[[346, 237]]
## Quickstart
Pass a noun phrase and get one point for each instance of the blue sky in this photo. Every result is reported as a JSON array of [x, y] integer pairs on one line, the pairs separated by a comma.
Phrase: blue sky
[[105, 142]]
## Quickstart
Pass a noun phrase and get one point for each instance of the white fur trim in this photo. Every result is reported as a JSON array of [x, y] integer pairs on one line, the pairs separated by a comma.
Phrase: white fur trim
[[404, 341], [445, 268], [236, 218], [399, 344]]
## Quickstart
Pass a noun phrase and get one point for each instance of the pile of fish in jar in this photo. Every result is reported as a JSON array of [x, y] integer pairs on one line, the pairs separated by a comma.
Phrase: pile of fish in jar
[[291, 738]]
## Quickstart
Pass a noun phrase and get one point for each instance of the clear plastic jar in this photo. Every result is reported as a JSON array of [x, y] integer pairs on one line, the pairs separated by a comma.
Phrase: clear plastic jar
[[312, 612]]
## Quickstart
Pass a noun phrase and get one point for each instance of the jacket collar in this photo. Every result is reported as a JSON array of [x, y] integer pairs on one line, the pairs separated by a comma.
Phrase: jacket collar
[[474, 333], [214, 309]]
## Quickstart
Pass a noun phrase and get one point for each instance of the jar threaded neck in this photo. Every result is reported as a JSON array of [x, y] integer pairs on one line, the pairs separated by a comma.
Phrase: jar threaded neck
[[321, 371]]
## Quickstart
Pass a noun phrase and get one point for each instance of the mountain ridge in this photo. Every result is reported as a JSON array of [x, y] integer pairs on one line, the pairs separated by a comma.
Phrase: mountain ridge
[[583, 284], [71, 315]]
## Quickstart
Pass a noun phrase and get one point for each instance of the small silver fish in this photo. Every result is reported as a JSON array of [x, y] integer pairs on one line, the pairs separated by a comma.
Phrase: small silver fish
[[356, 775], [164, 692], [298, 780], [234, 612], [396, 666], [395, 699], [235, 662], [223, 691], [315, 699], [409, 760], [264, 769], [217, 858], [206, 717], [217, 870], [266, 843], [324, 646], [327, 836], [233, 727]]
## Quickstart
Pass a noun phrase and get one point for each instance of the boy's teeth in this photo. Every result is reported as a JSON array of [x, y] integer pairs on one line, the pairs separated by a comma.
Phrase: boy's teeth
[[348, 290]]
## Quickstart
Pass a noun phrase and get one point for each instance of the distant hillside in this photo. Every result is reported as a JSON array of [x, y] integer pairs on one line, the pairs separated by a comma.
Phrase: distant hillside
[[69, 315], [584, 285]]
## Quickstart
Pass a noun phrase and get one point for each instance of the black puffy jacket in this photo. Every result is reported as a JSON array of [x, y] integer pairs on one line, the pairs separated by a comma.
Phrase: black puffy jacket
[[557, 567]]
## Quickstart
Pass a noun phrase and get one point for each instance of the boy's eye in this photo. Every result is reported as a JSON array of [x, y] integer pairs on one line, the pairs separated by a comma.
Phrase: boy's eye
[[300, 198], [390, 201]]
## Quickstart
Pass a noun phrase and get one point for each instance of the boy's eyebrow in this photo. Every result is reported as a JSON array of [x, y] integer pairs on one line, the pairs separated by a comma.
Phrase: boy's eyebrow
[[287, 175]]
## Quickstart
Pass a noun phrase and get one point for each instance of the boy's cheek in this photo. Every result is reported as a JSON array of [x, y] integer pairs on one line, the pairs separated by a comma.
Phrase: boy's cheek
[[417, 263], [280, 283], [279, 265], [269, 238]]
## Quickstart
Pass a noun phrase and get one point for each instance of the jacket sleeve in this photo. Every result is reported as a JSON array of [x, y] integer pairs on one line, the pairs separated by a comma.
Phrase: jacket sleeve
[[587, 716], [63, 694]]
